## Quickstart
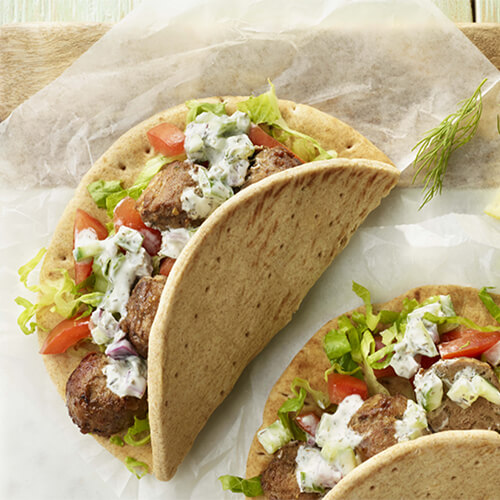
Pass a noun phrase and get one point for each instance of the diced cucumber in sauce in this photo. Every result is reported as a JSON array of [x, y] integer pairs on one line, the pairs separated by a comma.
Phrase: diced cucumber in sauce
[[429, 390], [468, 386], [274, 437]]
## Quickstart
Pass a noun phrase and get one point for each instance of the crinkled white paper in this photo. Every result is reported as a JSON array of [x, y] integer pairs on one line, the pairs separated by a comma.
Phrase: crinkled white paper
[[391, 69]]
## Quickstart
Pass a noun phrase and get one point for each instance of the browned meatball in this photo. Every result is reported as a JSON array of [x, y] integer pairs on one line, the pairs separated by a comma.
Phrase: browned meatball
[[141, 310], [482, 414], [160, 203], [270, 161], [92, 406], [376, 422], [279, 481]]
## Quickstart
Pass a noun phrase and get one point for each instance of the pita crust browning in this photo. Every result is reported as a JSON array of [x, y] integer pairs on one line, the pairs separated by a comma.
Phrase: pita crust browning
[[240, 278], [427, 467]]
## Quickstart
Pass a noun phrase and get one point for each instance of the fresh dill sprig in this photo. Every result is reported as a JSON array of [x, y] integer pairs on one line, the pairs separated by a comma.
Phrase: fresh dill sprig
[[435, 148]]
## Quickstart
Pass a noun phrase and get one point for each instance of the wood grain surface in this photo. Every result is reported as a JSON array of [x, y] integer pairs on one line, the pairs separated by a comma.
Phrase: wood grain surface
[[32, 55]]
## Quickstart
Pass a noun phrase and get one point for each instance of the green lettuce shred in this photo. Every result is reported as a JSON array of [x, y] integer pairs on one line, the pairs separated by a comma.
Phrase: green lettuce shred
[[107, 194], [295, 404], [351, 348], [489, 303], [136, 467], [140, 426], [198, 107], [370, 319], [458, 320], [60, 295], [264, 109], [116, 440], [100, 190], [249, 487]]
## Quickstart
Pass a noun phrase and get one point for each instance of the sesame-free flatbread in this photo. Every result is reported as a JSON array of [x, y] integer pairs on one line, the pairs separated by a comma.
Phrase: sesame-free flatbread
[[448, 464], [240, 278]]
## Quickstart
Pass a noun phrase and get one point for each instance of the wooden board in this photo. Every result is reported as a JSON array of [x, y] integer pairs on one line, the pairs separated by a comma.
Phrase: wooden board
[[32, 55]]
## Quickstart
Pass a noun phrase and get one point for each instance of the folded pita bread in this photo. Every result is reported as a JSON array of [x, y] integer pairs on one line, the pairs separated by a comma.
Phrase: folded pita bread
[[240, 278], [433, 466]]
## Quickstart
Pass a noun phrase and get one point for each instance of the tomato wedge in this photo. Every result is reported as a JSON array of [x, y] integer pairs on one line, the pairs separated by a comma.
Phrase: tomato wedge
[[340, 386], [261, 138], [167, 139], [83, 220], [65, 334], [166, 266], [308, 422], [470, 343], [126, 214]]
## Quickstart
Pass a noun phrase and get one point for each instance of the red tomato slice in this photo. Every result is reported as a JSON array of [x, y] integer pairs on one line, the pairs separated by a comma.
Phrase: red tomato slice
[[167, 139], [166, 266], [308, 422], [261, 138], [83, 221], [340, 386], [126, 214], [469, 343], [67, 333]]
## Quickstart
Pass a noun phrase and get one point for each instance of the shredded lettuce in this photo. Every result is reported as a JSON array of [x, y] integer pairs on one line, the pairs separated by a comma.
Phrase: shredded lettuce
[[249, 487], [265, 109], [197, 107], [29, 267], [351, 347], [295, 404], [140, 426], [60, 295], [458, 320], [320, 398], [336, 344], [100, 190], [116, 440], [370, 319], [489, 303], [107, 194], [139, 469], [367, 349]]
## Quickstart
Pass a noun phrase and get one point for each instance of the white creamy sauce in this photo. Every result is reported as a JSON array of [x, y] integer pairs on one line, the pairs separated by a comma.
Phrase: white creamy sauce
[[123, 271], [333, 428], [126, 377], [313, 472], [336, 439], [468, 386], [428, 390], [413, 423], [125, 372], [85, 236], [222, 141], [419, 337], [105, 328], [173, 241]]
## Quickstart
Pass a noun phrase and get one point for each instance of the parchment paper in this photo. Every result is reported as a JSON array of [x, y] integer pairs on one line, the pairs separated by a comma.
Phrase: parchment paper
[[391, 69]]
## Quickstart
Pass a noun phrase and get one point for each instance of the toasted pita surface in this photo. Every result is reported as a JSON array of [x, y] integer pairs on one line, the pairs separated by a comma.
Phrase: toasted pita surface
[[396, 468], [240, 278], [449, 464]]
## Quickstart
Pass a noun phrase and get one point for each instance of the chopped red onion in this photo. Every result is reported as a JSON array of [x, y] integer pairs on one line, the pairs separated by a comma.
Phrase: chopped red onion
[[120, 350]]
